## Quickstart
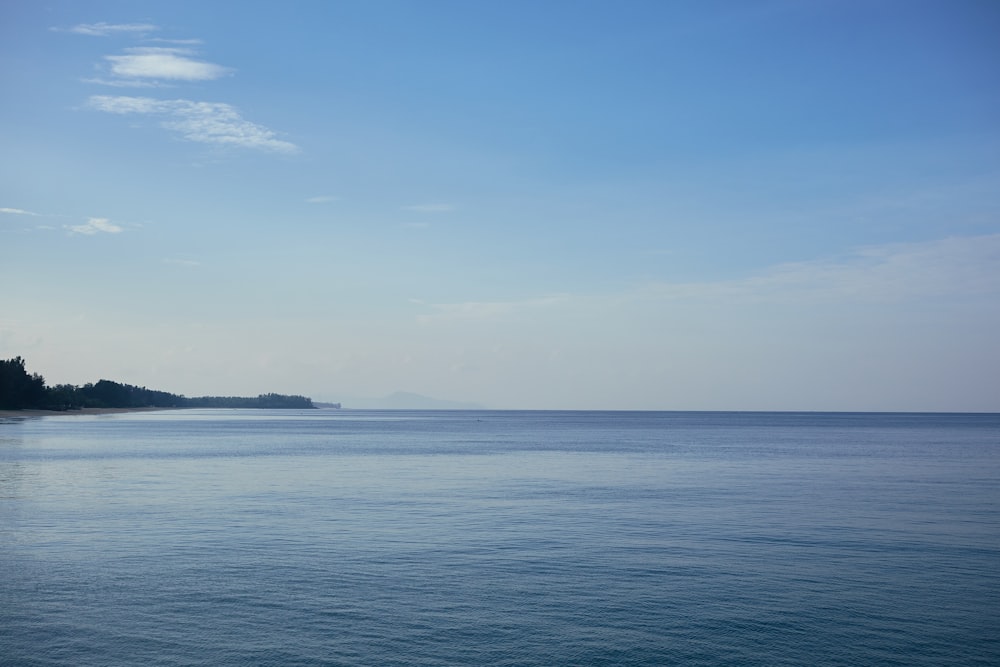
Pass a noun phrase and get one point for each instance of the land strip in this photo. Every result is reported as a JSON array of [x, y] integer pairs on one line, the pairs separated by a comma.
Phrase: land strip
[[8, 414]]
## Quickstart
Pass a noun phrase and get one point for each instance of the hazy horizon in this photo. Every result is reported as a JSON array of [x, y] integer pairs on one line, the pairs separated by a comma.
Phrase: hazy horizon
[[655, 206]]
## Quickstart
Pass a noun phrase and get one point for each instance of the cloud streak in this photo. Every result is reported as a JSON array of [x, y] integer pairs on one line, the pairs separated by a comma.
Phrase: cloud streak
[[108, 29], [18, 211], [953, 269], [95, 226], [142, 64], [213, 123]]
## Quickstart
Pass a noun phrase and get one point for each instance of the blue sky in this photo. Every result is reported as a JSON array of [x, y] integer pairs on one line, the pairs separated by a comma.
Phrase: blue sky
[[640, 205]]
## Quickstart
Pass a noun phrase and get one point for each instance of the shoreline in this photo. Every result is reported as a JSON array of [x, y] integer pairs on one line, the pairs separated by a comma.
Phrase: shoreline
[[7, 414]]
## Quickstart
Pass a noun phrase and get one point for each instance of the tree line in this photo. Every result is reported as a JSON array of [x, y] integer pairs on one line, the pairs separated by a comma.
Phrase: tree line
[[20, 390]]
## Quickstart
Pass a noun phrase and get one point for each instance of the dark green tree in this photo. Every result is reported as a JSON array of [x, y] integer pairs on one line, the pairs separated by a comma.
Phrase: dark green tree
[[18, 389]]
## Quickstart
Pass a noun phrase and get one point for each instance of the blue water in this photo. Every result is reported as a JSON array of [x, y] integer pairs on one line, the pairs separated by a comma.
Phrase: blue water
[[240, 537]]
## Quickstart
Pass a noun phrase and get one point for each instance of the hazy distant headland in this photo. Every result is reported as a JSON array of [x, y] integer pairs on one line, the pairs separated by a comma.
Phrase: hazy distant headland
[[20, 390]]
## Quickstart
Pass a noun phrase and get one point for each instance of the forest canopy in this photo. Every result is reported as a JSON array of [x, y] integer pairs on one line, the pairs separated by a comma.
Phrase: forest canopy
[[20, 390]]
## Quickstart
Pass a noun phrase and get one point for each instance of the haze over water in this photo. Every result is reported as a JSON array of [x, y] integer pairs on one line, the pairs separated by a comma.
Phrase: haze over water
[[234, 537]]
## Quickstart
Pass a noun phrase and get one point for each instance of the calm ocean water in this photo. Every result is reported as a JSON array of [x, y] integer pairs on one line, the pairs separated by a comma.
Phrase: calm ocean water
[[215, 537]]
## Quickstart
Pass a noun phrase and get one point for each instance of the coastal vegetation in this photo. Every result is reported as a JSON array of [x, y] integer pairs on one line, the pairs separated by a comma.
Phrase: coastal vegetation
[[20, 390]]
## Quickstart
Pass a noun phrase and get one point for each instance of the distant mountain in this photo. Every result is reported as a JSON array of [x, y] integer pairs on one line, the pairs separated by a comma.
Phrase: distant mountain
[[404, 400]]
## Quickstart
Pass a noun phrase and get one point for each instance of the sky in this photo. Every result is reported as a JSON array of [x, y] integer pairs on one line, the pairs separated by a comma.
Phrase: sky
[[713, 205]]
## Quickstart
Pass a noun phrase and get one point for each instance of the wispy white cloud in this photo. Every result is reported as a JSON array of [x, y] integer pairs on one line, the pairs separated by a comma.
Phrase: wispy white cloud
[[162, 63], [323, 199], [126, 83], [107, 29], [123, 104], [952, 269], [204, 122], [430, 208], [95, 226], [18, 211], [959, 266]]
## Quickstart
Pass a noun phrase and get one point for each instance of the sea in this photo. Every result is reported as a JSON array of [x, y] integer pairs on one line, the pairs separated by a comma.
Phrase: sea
[[350, 537]]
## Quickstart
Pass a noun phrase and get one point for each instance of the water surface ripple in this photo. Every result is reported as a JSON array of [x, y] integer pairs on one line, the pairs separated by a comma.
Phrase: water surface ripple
[[243, 537]]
